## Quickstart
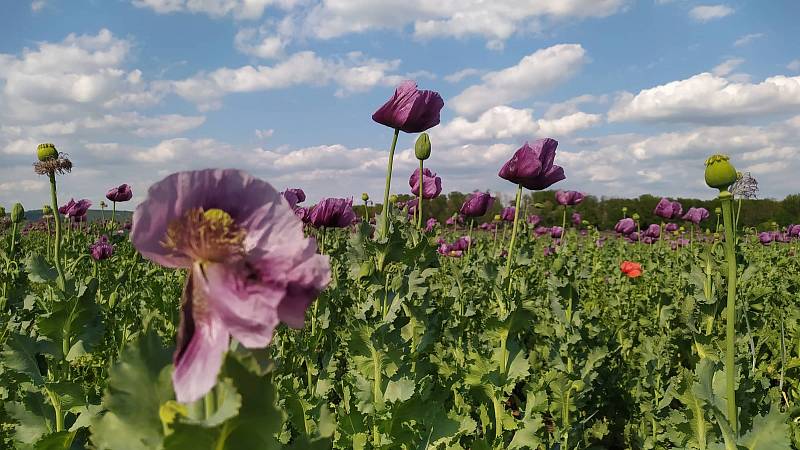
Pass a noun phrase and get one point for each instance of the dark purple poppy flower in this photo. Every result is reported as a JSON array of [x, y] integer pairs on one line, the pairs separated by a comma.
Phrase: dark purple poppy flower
[[576, 219], [532, 166], [507, 214], [653, 231], [410, 110], [541, 231], [625, 226], [549, 251], [765, 237], [668, 209], [696, 215], [294, 196], [75, 209], [793, 231], [121, 193], [332, 213], [534, 220], [101, 249], [556, 232], [632, 237], [431, 224], [452, 220], [671, 227], [569, 198], [462, 243], [431, 184], [477, 204]]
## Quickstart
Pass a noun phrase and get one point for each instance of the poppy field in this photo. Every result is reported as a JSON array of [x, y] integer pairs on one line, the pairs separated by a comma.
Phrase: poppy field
[[226, 314]]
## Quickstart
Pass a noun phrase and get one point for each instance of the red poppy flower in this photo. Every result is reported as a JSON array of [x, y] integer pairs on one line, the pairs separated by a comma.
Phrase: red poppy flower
[[631, 269]]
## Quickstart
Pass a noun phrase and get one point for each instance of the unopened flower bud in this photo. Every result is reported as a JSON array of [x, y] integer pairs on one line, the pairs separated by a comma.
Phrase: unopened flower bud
[[364, 196], [497, 217], [46, 152], [624, 209], [393, 198], [47, 210], [717, 210], [17, 213], [423, 147], [720, 173], [635, 216]]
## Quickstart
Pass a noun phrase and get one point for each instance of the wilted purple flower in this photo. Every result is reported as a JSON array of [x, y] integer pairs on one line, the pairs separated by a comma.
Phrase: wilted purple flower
[[668, 209], [532, 166], [671, 227], [696, 215], [556, 232], [541, 231], [431, 184], [301, 213], [507, 214], [477, 204], [410, 109], [101, 249], [250, 265], [653, 231], [576, 219], [534, 220], [431, 224], [569, 198], [625, 226], [332, 213], [294, 196], [121, 193], [765, 237]]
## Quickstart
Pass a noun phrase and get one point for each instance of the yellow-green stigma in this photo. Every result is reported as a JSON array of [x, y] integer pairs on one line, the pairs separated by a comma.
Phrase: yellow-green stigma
[[210, 235]]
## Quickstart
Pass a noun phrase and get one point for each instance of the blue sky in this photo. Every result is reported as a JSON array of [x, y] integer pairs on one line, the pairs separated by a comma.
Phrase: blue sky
[[638, 93]]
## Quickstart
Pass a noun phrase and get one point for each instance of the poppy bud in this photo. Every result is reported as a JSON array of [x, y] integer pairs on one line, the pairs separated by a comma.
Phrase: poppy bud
[[364, 196], [47, 210], [46, 152], [422, 149], [720, 173], [635, 216], [624, 209], [17, 213], [497, 218], [717, 210], [393, 198]]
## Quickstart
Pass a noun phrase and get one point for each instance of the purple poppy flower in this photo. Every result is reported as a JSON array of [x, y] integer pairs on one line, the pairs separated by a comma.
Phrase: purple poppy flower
[[632, 237], [477, 204], [549, 251], [121, 193], [681, 242], [294, 196], [532, 166], [556, 232], [793, 231], [534, 220], [76, 210], [569, 198], [652, 232], [332, 213], [668, 209], [486, 226], [452, 220], [250, 265], [600, 242], [765, 237], [671, 227], [507, 214], [431, 224], [445, 249], [541, 231], [625, 226], [101, 249], [411, 205], [576, 219], [696, 215], [462, 243], [431, 184], [410, 109]]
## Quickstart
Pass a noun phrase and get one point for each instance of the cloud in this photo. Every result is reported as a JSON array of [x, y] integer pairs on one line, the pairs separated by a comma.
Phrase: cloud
[[352, 73], [38, 5], [455, 77], [265, 134], [727, 66], [707, 98], [707, 13], [532, 75], [747, 38], [794, 65], [239, 9], [259, 43]]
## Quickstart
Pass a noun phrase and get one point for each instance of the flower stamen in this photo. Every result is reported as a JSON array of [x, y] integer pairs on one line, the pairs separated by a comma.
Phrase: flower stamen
[[210, 235]]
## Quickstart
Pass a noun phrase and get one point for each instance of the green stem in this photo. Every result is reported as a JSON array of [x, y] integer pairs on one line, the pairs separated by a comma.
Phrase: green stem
[[510, 255], [210, 402], [113, 213], [13, 239], [385, 209], [730, 337], [419, 202], [57, 408], [57, 220]]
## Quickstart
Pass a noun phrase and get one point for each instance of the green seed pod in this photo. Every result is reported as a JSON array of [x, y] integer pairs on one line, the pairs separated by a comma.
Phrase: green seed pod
[[364, 196], [720, 173], [47, 210], [624, 209], [717, 210], [17, 213], [423, 147], [635, 216], [46, 152]]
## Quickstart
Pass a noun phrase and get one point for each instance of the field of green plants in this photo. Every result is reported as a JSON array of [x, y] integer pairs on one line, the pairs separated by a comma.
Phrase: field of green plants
[[227, 315]]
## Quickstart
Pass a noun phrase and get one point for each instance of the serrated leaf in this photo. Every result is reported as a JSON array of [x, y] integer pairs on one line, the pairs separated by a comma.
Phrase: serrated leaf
[[399, 391]]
